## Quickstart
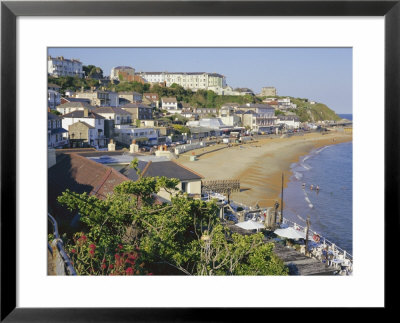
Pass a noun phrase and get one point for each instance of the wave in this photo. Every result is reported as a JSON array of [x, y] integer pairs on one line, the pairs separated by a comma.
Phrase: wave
[[305, 166], [300, 218], [298, 175], [320, 149]]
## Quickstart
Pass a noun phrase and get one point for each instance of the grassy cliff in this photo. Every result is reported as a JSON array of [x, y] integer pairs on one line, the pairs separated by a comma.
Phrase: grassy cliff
[[313, 112]]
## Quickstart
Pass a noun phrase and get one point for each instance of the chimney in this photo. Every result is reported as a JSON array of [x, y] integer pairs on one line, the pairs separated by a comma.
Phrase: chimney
[[85, 112]]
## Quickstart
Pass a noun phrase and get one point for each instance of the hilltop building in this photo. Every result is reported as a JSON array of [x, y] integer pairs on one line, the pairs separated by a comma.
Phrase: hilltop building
[[188, 80], [60, 66], [122, 73], [268, 91]]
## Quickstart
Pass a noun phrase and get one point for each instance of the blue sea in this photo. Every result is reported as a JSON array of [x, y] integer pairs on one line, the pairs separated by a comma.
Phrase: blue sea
[[330, 209], [346, 116]]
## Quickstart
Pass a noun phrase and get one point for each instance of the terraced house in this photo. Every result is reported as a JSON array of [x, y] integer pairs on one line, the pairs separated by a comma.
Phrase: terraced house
[[60, 66], [188, 80]]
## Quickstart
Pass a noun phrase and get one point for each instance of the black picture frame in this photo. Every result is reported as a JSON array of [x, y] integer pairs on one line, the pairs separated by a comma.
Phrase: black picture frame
[[10, 10]]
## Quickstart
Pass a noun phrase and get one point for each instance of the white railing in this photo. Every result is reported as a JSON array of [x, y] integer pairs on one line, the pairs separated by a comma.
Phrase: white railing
[[339, 255]]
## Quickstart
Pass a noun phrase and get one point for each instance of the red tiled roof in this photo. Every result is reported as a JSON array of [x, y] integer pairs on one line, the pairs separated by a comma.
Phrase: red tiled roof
[[78, 174]]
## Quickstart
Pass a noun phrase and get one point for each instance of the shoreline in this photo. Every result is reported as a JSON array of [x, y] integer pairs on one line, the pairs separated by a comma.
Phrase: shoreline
[[259, 165]]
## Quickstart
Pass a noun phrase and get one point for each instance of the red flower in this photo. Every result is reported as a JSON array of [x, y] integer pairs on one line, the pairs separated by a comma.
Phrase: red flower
[[92, 246], [91, 251], [73, 250], [131, 260], [111, 266], [116, 256], [120, 246], [103, 266], [83, 238], [129, 271]]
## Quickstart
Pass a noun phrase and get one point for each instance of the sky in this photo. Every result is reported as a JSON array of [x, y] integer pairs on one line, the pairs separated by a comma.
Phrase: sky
[[319, 74]]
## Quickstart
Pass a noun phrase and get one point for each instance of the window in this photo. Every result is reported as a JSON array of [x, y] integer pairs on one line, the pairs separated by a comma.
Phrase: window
[[184, 186]]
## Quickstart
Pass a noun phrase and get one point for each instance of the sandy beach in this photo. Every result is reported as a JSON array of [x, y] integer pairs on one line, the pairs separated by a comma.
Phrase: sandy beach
[[258, 164]]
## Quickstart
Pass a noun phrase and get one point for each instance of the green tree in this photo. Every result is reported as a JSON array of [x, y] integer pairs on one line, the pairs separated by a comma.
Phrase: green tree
[[186, 234], [180, 129]]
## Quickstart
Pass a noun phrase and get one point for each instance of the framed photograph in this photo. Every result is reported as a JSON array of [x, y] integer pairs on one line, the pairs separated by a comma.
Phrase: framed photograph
[[265, 72]]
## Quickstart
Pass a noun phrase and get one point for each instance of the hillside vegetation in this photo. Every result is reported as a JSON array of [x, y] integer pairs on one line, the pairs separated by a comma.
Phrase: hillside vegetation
[[200, 99], [313, 112]]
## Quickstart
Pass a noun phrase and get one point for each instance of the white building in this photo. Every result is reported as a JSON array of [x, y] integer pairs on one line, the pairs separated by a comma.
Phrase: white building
[[169, 103], [285, 101], [125, 134], [87, 116], [228, 116], [60, 66], [227, 90], [290, 122], [188, 80], [257, 116]]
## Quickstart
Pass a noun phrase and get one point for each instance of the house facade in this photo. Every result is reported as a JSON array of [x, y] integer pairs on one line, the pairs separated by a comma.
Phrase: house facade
[[139, 111], [169, 103], [124, 134], [131, 97], [188, 80], [290, 122], [228, 116], [90, 118], [82, 134], [120, 116], [100, 98], [256, 116], [55, 132]]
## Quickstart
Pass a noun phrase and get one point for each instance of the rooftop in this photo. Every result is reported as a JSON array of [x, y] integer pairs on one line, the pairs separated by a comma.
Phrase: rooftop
[[170, 99], [123, 67], [80, 114], [169, 169], [76, 104], [80, 175], [136, 105], [112, 110]]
